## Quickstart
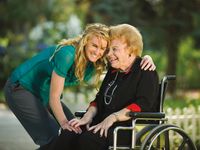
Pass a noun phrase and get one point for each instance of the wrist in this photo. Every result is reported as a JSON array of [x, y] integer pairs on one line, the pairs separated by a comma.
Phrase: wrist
[[88, 118], [63, 123], [116, 117]]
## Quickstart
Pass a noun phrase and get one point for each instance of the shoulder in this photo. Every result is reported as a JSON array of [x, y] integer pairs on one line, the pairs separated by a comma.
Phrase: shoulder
[[150, 75], [67, 50]]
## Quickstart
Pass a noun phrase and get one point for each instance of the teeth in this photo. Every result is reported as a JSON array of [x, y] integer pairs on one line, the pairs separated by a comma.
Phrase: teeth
[[94, 56]]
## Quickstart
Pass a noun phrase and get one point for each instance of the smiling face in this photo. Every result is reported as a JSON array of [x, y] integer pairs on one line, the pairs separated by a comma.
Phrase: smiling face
[[95, 48], [119, 55]]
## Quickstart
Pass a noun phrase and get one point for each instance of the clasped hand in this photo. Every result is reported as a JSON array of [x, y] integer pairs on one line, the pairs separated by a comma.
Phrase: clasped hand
[[102, 126], [76, 123], [67, 126]]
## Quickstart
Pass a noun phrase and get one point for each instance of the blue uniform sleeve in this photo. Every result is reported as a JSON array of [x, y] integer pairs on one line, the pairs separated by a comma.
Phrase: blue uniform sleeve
[[63, 60]]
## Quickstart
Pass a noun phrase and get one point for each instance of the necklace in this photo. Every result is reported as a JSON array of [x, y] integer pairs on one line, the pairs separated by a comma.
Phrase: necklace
[[107, 96]]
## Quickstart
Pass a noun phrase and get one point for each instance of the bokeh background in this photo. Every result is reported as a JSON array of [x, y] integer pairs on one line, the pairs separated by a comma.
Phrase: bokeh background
[[170, 28]]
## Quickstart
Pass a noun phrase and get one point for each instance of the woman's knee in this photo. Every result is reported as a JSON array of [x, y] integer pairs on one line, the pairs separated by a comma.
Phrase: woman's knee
[[66, 140], [90, 141]]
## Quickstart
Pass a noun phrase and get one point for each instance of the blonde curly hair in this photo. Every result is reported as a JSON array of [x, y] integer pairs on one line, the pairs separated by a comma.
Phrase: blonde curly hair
[[79, 42]]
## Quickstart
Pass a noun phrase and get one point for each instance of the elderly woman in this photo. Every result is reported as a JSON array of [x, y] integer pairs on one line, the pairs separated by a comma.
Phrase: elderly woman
[[125, 88]]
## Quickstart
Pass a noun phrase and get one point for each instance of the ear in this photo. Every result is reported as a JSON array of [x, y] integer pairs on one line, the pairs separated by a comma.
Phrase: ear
[[128, 50]]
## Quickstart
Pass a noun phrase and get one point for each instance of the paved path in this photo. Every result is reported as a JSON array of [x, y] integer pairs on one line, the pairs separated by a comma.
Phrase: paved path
[[12, 134]]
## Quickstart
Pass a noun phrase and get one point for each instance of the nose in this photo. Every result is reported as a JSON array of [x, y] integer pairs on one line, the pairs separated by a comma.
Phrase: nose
[[99, 52]]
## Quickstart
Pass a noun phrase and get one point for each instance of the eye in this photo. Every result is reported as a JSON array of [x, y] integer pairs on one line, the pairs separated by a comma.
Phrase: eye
[[94, 45], [114, 49]]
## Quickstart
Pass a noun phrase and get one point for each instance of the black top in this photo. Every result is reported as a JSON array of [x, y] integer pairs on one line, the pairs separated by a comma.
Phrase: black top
[[119, 90]]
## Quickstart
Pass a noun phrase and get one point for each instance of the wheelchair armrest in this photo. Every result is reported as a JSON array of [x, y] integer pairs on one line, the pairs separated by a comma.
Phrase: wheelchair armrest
[[148, 115], [80, 113]]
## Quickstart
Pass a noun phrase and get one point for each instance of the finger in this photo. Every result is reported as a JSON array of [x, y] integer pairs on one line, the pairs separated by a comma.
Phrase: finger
[[79, 130], [144, 63], [154, 68], [72, 121], [101, 132], [151, 68], [147, 67], [92, 128], [105, 132], [78, 124], [75, 130], [88, 127], [97, 129], [74, 124]]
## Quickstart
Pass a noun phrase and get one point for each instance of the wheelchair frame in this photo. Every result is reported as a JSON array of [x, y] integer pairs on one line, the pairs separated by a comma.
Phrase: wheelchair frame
[[152, 132]]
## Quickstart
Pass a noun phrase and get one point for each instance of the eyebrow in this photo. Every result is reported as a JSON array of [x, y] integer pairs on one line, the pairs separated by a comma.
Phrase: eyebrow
[[115, 46]]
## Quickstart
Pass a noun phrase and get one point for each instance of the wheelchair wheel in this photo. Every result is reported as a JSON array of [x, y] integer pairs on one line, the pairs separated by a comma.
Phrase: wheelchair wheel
[[160, 139], [142, 133]]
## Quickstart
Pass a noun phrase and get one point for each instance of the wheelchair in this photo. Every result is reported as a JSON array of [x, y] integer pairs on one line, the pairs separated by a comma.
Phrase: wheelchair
[[155, 133]]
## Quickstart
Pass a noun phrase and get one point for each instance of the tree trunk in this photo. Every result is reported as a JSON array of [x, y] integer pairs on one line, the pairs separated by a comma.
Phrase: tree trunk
[[172, 40]]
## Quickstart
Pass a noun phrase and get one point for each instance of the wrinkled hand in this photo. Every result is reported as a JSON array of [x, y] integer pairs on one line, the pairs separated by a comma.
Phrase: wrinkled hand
[[103, 126], [147, 63], [80, 122], [67, 126]]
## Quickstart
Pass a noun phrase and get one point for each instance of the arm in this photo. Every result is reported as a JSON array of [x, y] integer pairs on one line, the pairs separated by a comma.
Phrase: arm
[[56, 88], [109, 121]]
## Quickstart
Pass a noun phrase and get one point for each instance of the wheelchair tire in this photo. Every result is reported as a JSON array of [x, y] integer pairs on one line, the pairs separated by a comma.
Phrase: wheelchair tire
[[141, 134], [163, 130]]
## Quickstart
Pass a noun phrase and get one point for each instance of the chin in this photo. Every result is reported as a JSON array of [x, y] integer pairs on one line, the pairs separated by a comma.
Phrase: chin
[[93, 60], [114, 66]]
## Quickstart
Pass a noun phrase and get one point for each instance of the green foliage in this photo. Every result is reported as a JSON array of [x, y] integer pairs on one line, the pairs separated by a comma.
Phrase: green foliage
[[159, 58], [29, 26], [188, 65], [181, 103], [159, 27], [163, 29]]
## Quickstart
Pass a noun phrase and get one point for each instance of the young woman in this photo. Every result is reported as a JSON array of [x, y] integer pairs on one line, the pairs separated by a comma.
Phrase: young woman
[[34, 89]]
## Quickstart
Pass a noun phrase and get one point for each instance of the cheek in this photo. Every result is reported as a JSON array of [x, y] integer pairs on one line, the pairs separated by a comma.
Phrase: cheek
[[122, 59], [87, 53]]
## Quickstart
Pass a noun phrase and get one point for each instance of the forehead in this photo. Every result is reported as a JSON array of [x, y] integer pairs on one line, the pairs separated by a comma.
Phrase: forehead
[[118, 42], [98, 40]]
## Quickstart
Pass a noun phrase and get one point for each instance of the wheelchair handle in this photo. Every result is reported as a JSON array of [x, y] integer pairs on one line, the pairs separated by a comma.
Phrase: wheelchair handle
[[80, 113], [169, 77]]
